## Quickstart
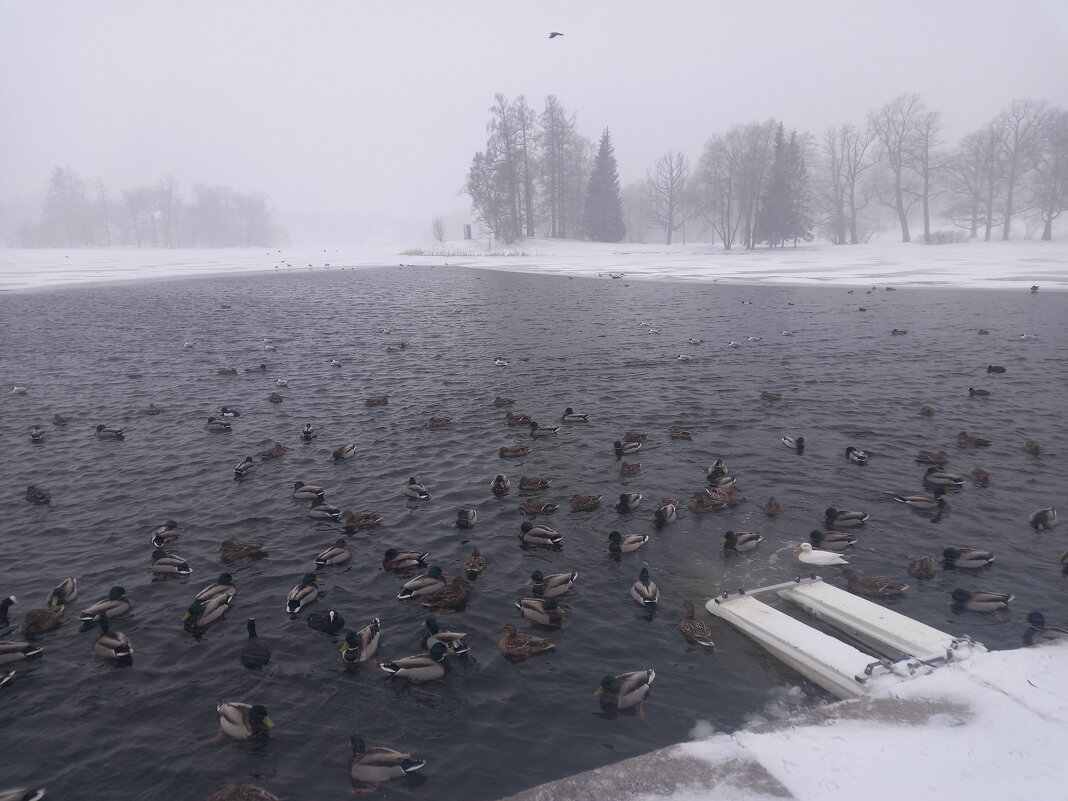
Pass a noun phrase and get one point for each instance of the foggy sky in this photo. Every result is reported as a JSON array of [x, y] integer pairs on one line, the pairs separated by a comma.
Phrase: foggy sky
[[354, 107]]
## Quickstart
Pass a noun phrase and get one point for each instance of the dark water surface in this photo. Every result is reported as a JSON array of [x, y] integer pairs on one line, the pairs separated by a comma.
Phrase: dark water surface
[[89, 730]]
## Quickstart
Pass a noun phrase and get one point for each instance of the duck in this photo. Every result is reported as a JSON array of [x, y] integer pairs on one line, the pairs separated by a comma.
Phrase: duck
[[628, 501], [499, 362], [964, 438], [770, 396], [742, 541], [226, 371], [517, 647], [164, 534], [723, 495], [899, 331], [466, 518], [1043, 519], [694, 341], [109, 432], [304, 593], [937, 459], [541, 536], [571, 416], [334, 556], [622, 448], [922, 567], [202, 614], [979, 477], [872, 585], [630, 468], [500, 484], [796, 443], [625, 543], [18, 390], [518, 419], [625, 690], [308, 433], [812, 557], [153, 409], [276, 451], [241, 470], [978, 393], [585, 503], [980, 600], [475, 565], [352, 521], [13, 651], [1038, 633], [63, 593], [380, 400], [1032, 447], [666, 513], [256, 652], [259, 368], [534, 483], [218, 426], [675, 432], [38, 621], [940, 478], [281, 382], [683, 357], [831, 540], [454, 640], [543, 611], [38, 495], [324, 511], [59, 420], [169, 564], [695, 631], [644, 591], [438, 422], [452, 596], [380, 764], [343, 452], [274, 397], [335, 362], [500, 400], [308, 492], [856, 455], [36, 434], [421, 667], [425, 584], [926, 411], [244, 721], [398, 560], [329, 622], [414, 489], [553, 585], [112, 645], [635, 436], [922, 500], [361, 646], [843, 518], [115, 605], [238, 549], [968, 558], [542, 431], [513, 451], [227, 411], [995, 368], [772, 507], [983, 332], [535, 508]]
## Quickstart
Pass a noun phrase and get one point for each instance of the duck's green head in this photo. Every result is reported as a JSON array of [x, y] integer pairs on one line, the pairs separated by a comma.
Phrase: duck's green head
[[159, 553], [730, 536], [412, 480], [950, 555], [432, 626], [391, 553], [830, 513], [527, 526], [569, 410], [549, 605], [225, 578], [930, 470], [1037, 620], [435, 572], [116, 593], [617, 444], [357, 744], [536, 578], [195, 609], [623, 498], [615, 536], [340, 543], [170, 524], [643, 576], [961, 595], [609, 684], [816, 536], [308, 579], [352, 640], [938, 492], [257, 714], [439, 652]]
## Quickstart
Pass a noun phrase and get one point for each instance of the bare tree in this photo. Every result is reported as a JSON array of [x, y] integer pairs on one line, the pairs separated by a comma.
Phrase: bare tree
[[666, 187], [1021, 127], [847, 157], [924, 162], [1048, 183], [437, 229], [895, 127]]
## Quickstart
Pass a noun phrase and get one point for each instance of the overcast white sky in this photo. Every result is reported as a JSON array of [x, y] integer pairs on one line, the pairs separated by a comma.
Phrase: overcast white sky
[[354, 107]]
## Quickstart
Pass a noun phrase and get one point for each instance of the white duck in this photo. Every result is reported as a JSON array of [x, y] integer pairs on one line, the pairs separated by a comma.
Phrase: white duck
[[810, 556]]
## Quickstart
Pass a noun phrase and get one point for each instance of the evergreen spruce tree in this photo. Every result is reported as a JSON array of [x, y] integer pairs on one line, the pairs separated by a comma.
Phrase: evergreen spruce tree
[[603, 212], [801, 210]]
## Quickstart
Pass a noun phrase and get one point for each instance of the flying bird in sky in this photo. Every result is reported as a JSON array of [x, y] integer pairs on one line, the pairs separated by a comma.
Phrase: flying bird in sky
[[554, 34]]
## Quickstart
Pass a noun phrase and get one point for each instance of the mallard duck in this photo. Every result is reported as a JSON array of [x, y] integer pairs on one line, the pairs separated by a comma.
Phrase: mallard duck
[[308, 492], [453, 639], [543, 611], [500, 400], [516, 646], [856, 455], [243, 467], [335, 362], [380, 400], [628, 501], [517, 419], [980, 600], [922, 567], [109, 432], [666, 513], [202, 614], [361, 646], [922, 500], [63, 593], [553, 585], [979, 477], [438, 422], [59, 420], [513, 451], [937, 459], [244, 721], [724, 495], [426, 584], [453, 596], [223, 586], [1032, 447], [535, 508], [940, 478], [308, 433], [414, 489], [1043, 519], [630, 468], [226, 411], [968, 558], [809, 556], [695, 631], [475, 565], [703, 503], [232, 791], [237, 549], [337, 554], [276, 451], [625, 543], [772, 507], [399, 560], [872, 585], [534, 483], [304, 593], [742, 541], [217, 425], [421, 667], [797, 443], [274, 397], [328, 622], [226, 371], [38, 621], [978, 393], [644, 591], [539, 535], [675, 432], [113, 645], [831, 540], [983, 332], [571, 416], [585, 503], [926, 411], [622, 447], [38, 495], [466, 518], [259, 368], [5, 606], [352, 521], [324, 511], [625, 690], [500, 484], [343, 452], [1038, 633], [964, 438], [378, 764], [542, 431], [169, 564], [843, 518], [635, 436], [12, 651], [256, 652], [115, 605], [163, 535], [36, 434], [770, 396], [995, 368], [153, 409]]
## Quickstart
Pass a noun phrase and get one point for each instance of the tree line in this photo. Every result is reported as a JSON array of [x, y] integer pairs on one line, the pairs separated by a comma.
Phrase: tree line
[[759, 184], [77, 213]]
